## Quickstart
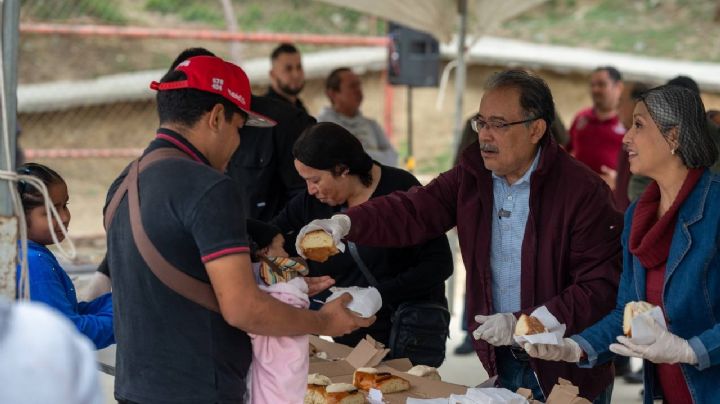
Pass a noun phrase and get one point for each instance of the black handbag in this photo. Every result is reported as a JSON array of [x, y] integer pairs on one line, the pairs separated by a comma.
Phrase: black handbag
[[419, 328]]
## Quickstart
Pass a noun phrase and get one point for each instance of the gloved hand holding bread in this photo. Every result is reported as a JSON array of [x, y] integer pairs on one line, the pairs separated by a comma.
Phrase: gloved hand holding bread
[[322, 238]]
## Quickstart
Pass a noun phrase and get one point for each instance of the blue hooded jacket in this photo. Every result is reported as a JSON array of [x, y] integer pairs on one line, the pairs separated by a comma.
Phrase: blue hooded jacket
[[50, 284]]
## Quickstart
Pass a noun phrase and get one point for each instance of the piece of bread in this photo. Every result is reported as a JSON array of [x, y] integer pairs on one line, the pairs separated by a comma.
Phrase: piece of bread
[[364, 378], [315, 394], [318, 380], [425, 371], [632, 309], [318, 246], [529, 325], [332, 393], [388, 383], [343, 393], [321, 390], [370, 378]]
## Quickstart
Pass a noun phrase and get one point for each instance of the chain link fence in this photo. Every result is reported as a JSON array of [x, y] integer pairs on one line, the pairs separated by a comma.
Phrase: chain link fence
[[84, 106], [84, 68]]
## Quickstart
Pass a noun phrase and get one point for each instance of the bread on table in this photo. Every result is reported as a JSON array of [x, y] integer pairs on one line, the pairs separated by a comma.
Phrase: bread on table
[[316, 385], [343, 393], [321, 390], [632, 310], [370, 378], [318, 246], [425, 371], [529, 325], [364, 378]]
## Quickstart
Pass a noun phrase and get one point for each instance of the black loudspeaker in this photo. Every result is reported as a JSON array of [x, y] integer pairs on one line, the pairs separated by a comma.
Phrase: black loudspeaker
[[413, 57]]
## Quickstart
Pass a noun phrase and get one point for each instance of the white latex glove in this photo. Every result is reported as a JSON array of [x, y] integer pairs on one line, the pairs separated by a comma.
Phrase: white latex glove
[[567, 351], [667, 348], [496, 329], [337, 226]]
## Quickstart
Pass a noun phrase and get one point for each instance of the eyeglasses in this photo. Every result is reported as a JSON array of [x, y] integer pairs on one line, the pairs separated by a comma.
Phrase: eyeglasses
[[476, 123]]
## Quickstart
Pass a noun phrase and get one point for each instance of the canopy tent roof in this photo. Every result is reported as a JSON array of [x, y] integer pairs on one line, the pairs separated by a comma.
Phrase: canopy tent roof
[[440, 17]]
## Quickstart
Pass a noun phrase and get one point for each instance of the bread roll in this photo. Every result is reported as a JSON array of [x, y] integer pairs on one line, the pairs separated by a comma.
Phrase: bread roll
[[338, 393], [343, 393], [388, 383], [632, 309], [318, 246], [370, 378], [318, 379], [315, 393], [321, 390], [427, 372], [529, 325]]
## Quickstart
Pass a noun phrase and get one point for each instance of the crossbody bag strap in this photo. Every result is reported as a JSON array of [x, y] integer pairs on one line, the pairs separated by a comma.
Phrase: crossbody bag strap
[[145, 161], [183, 284], [361, 264]]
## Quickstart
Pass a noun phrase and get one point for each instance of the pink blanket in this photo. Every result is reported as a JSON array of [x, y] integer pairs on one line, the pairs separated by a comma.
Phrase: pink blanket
[[280, 364]]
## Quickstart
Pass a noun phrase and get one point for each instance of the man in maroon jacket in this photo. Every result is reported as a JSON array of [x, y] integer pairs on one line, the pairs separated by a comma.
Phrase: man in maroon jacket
[[526, 212]]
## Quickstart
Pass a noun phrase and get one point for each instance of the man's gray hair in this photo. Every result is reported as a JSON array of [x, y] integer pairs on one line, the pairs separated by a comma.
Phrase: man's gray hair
[[535, 97]]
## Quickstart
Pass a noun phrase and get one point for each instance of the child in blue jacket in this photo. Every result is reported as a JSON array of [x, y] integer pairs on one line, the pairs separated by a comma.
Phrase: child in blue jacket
[[49, 283]]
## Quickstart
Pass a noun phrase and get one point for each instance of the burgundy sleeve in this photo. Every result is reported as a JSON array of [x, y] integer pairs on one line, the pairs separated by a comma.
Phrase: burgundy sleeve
[[408, 218], [594, 263], [571, 135]]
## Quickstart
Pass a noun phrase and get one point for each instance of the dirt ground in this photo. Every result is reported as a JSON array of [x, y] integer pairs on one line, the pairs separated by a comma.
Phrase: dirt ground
[[133, 125]]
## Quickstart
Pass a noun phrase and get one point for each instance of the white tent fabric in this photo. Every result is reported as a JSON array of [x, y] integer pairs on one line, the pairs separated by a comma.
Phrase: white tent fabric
[[440, 17]]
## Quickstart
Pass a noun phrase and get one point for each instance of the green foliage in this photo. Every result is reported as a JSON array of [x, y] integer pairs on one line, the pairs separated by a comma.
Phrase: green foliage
[[287, 21], [165, 6], [202, 13], [644, 27], [189, 10], [251, 19], [101, 10]]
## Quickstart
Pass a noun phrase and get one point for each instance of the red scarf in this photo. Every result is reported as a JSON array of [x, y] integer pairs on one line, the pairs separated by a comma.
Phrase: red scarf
[[650, 238]]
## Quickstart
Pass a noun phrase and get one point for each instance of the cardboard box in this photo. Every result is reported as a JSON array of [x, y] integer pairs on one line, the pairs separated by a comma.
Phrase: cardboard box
[[564, 392], [343, 360], [527, 393], [369, 353]]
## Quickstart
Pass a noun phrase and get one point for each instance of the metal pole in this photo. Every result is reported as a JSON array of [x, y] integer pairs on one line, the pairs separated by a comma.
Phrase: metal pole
[[232, 26], [8, 221], [460, 74], [458, 125], [410, 162]]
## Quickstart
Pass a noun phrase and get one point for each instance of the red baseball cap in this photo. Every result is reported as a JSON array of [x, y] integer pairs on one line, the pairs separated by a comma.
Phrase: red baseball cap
[[214, 75]]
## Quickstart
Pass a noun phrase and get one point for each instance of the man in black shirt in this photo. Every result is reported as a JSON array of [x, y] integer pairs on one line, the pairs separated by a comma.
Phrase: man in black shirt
[[263, 167], [287, 77], [169, 348]]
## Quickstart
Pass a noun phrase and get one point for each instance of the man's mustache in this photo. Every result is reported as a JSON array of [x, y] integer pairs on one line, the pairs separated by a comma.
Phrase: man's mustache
[[487, 147]]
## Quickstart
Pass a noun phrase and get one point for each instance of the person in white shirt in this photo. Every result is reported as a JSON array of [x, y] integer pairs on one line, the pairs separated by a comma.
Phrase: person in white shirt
[[44, 358]]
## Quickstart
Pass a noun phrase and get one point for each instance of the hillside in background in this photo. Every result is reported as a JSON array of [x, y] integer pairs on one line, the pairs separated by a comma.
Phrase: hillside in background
[[676, 29], [668, 28]]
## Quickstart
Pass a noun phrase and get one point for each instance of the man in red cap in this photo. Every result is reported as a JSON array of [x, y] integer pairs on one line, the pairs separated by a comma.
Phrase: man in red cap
[[172, 348]]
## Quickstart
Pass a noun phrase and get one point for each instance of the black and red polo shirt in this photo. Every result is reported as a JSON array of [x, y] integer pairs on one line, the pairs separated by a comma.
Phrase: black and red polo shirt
[[169, 349]]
